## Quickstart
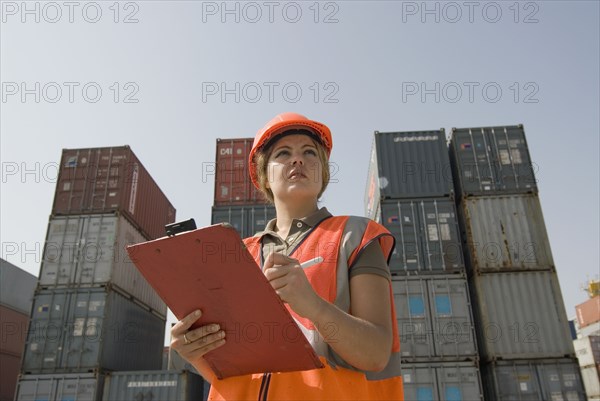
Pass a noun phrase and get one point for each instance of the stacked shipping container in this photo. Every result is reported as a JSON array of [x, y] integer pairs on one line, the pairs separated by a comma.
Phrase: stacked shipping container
[[16, 294], [93, 312], [236, 200], [410, 191], [522, 327]]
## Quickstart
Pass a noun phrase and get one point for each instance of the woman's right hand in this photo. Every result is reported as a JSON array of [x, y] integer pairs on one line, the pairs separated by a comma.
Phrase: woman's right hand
[[193, 344]]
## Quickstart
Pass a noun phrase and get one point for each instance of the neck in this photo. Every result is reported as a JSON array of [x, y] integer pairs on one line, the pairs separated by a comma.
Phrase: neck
[[286, 213]]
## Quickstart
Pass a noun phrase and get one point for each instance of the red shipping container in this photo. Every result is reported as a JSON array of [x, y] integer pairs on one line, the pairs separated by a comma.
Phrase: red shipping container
[[14, 333], [112, 179], [232, 180], [588, 312]]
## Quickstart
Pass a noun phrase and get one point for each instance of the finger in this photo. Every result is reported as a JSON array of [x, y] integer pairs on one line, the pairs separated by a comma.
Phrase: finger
[[278, 259], [184, 324], [277, 272], [279, 283], [202, 342], [203, 331], [200, 351]]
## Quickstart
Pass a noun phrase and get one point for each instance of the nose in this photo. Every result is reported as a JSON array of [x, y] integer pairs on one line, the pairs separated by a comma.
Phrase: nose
[[298, 158]]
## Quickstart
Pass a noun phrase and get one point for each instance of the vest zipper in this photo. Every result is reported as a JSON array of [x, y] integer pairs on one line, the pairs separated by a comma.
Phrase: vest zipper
[[264, 387]]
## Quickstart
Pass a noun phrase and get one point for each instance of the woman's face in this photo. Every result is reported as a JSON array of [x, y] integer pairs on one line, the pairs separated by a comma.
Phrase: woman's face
[[294, 168]]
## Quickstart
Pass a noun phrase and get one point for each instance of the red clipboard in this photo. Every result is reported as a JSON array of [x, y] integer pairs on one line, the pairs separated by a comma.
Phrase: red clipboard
[[211, 269]]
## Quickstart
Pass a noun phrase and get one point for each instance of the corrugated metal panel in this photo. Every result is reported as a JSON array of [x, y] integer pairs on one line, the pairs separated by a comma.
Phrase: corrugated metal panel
[[153, 385], [411, 164], [434, 319], [232, 180], [587, 350], [104, 180], [16, 287], [591, 380], [534, 380], [588, 312], [445, 381], [427, 236], [87, 329], [14, 330], [454, 331], [60, 387], [520, 315], [247, 220], [9, 366], [505, 233], [414, 318], [491, 160], [89, 250]]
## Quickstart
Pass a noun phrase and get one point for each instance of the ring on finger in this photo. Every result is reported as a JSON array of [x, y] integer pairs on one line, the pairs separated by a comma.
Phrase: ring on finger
[[185, 339]]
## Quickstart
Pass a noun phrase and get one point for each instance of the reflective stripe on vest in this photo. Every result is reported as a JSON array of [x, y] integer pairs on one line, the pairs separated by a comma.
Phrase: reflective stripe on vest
[[339, 240]]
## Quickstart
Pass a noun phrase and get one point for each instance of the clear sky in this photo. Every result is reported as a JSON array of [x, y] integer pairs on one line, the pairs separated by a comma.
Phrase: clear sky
[[169, 78]]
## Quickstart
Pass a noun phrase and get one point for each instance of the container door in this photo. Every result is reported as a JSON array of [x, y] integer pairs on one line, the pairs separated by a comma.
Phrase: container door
[[441, 247], [401, 219], [414, 320], [452, 320]]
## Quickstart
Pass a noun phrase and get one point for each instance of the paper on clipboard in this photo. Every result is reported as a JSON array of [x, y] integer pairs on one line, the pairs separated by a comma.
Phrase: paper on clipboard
[[211, 269]]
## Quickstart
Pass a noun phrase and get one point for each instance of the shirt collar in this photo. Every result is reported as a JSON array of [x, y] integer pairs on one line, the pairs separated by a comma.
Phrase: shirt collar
[[311, 220]]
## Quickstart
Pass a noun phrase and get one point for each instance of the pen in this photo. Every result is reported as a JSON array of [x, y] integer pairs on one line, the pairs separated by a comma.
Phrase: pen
[[311, 262]]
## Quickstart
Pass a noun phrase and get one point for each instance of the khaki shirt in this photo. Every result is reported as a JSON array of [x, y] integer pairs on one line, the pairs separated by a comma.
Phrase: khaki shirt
[[370, 261]]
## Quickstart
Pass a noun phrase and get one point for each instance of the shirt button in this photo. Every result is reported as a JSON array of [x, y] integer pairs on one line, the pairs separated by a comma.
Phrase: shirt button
[[299, 224]]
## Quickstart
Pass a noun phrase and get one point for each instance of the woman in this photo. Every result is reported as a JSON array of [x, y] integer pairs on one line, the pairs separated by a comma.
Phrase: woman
[[344, 305]]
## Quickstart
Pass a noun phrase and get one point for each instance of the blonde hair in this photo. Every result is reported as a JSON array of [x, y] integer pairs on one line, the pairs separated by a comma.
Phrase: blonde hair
[[261, 160]]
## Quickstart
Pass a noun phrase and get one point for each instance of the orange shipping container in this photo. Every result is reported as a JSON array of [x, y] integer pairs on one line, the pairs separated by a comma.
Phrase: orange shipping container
[[588, 312], [105, 180]]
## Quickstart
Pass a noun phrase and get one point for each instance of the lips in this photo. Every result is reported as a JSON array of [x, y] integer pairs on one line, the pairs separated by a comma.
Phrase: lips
[[296, 174]]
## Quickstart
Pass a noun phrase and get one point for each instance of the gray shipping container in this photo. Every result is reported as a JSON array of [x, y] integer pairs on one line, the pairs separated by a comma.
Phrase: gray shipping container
[[81, 330], [520, 316], [460, 381], [505, 233], [533, 380], [158, 385], [16, 287], [491, 160], [434, 319], [89, 251], [247, 220], [60, 387], [412, 164], [427, 236]]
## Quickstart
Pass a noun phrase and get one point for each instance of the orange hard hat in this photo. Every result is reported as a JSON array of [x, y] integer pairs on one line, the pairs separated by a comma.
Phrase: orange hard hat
[[278, 125]]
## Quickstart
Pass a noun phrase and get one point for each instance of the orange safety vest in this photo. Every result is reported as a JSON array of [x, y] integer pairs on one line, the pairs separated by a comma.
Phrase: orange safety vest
[[337, 380]]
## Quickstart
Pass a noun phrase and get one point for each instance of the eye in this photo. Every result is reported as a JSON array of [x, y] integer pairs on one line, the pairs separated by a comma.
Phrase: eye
[[282, 152], [312, 152]]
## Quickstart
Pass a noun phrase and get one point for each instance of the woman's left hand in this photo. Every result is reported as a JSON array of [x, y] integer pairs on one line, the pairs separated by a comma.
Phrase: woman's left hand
[[291, 284]]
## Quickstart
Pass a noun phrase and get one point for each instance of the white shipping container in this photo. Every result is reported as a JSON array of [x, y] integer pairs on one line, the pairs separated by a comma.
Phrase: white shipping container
[[591, 330], [89, 251], [591, 380], [587, 350]]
